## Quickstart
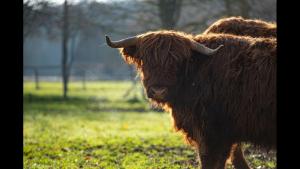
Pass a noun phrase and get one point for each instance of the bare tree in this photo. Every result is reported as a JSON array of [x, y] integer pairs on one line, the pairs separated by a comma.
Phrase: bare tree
[[73, 21], [29, 16], [65, 37], [35, 16], [169, 12], [243, 8]]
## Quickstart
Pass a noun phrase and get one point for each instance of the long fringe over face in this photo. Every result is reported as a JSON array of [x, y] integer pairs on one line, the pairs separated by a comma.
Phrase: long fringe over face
[[157, 56], [159, 48]]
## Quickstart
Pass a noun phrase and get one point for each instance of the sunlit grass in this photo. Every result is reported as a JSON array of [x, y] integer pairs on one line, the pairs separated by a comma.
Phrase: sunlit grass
[[98, 128]]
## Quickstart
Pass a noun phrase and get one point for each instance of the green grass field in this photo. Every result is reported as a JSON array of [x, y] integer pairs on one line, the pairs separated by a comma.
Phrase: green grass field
[[98, 128]]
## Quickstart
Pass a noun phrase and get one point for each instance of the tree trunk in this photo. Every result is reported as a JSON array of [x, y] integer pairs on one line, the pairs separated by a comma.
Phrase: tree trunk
[[83, 80], [228, 8], [245, 8], [65, 50], [169, 12]]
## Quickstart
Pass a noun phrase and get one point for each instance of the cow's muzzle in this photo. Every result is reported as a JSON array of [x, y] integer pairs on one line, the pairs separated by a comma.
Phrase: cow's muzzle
[[157, 92]]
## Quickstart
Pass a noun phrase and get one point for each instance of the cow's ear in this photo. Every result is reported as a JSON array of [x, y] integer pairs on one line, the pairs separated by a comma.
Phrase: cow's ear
[[130, 55], [129, 51]]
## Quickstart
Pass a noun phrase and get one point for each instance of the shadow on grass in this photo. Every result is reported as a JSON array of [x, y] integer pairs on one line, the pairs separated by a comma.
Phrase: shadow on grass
[[28, 98], [50, 103], [180, 155]]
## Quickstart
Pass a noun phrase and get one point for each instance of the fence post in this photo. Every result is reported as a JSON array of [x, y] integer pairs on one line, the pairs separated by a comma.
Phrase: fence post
[[36, 77], [83, 80]]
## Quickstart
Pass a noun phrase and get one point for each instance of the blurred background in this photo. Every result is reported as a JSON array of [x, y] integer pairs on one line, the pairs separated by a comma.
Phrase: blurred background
[[84, 107], [65, 39]]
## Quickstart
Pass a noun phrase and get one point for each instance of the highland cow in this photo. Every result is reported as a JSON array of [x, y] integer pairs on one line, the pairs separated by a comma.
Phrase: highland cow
[[219, 88], [243, 27]]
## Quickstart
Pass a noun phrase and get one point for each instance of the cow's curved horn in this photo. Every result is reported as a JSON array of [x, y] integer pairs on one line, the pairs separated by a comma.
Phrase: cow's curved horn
[[131, 41], [203, 49]]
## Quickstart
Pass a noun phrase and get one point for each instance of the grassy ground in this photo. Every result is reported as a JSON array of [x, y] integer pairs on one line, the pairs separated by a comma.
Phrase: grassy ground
[[98, 128]]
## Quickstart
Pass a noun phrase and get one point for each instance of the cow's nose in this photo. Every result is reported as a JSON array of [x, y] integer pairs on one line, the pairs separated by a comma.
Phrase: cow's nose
[[157, 91], [150, 93]]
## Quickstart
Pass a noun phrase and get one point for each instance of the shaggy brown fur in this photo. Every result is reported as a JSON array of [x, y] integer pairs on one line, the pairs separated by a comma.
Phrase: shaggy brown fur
[[216, 101], [243, 27], [253, 28]]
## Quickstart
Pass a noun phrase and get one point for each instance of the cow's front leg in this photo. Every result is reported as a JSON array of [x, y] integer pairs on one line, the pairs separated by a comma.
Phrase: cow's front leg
[[237, 157], [214, 156]]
